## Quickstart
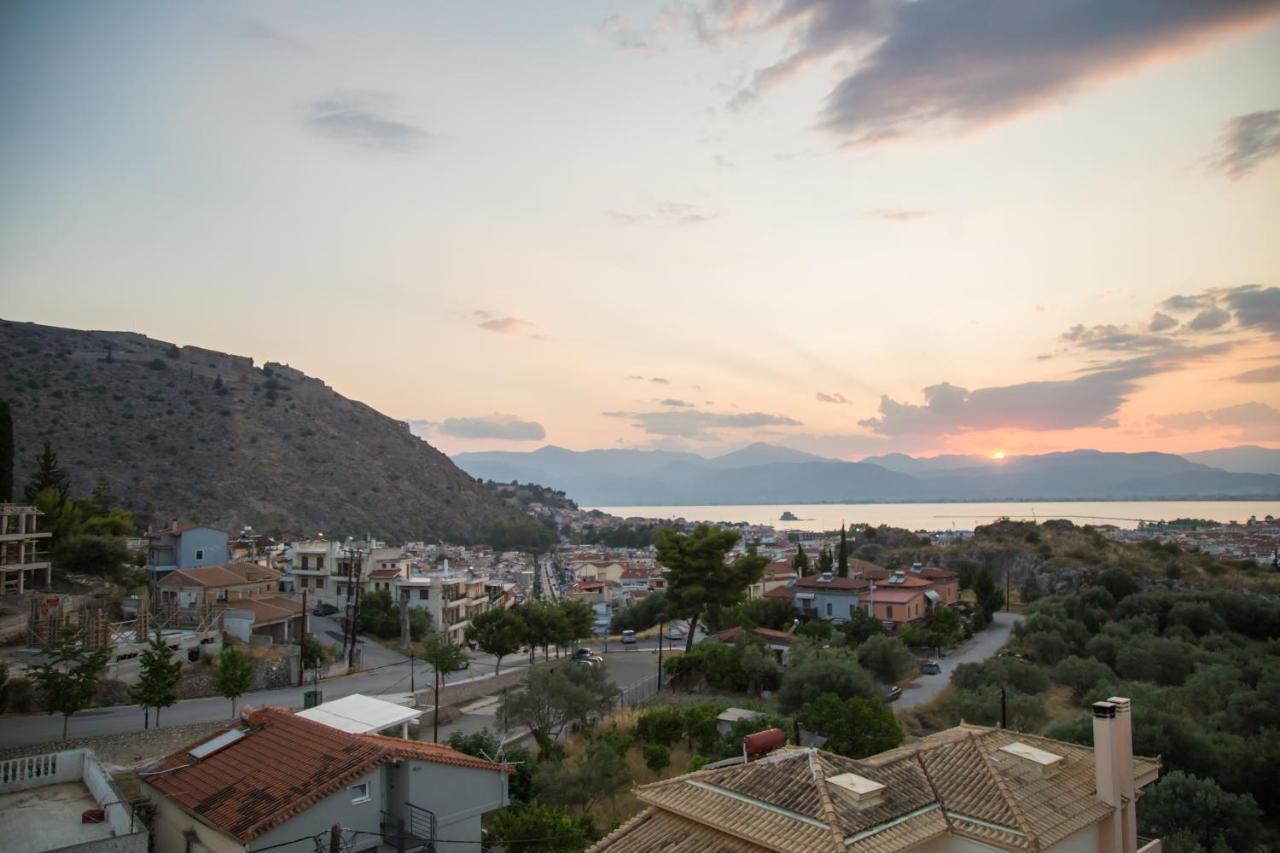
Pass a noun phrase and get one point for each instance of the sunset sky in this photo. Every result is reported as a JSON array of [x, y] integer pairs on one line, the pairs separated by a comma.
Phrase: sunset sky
[[845, 227]]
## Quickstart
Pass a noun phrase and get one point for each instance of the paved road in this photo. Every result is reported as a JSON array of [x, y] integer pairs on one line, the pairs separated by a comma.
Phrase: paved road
[[985, 644], [390, 679]]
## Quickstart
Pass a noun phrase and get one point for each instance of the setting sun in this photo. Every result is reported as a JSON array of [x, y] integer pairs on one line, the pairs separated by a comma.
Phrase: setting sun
[[999, 454]]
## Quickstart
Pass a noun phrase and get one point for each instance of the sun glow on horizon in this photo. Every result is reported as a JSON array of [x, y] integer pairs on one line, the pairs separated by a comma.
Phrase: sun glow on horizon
[[999, 454]]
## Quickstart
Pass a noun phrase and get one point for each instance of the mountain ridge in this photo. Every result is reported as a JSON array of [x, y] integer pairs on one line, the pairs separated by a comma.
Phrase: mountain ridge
[[210, 437]]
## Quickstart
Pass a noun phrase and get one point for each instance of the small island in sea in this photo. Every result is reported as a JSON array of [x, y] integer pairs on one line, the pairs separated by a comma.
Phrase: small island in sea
[[788, 515]]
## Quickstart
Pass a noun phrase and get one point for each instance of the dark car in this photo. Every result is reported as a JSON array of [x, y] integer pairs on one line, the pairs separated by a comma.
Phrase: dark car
[[931, 667], [324, 610]]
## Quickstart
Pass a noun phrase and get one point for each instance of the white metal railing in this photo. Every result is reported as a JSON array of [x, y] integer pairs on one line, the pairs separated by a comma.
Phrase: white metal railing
[[32, 771]]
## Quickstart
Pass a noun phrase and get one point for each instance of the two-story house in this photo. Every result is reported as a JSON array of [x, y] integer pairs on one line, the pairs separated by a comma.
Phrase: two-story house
[[184, 546], [274, 780], [209, 585]]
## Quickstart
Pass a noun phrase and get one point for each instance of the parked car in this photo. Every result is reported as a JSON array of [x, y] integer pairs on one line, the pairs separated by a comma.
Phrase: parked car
[[585, 656], [675, 634], [324, 610], [628, 637], [892, 692], [931, 667]]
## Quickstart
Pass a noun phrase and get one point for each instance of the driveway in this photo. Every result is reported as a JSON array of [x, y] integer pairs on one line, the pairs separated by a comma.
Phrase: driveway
[[983, 645]]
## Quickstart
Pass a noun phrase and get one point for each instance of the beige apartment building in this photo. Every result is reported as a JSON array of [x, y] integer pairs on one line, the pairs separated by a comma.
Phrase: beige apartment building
[[24, 551]]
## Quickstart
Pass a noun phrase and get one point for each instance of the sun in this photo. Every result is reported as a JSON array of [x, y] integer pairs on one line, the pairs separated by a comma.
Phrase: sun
[[999, 454]]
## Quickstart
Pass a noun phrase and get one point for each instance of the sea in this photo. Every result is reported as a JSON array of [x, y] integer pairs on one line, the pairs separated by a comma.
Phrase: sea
[[954, 516]]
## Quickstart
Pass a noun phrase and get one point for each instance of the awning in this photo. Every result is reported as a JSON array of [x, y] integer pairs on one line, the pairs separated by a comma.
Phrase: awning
[[360, 714], [933, 596]]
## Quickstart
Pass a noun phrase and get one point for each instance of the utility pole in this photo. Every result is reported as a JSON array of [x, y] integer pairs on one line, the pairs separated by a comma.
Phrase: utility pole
[[662, 630], [435, 711], [302, 646], [335, 838], [1004, 711], [412, 684], [355, 560]]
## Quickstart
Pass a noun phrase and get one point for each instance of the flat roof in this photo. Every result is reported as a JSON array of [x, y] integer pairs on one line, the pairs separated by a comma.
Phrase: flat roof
[[360, 714], [48, 818]]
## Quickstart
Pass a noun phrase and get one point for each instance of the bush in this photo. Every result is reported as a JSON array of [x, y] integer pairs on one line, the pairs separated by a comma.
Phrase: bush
[[853, 727], [1024, 677], [1119, 583], [663, 725], [982, 706], [21, 695], [886, 658], [656, 757], [1081, 675], [832, 673], [1199, 808], [700, 726], [1047, 647]]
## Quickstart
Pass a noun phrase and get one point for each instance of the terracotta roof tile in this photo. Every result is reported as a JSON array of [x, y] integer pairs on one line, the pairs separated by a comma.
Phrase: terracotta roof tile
[[279, 769], [213, 577]]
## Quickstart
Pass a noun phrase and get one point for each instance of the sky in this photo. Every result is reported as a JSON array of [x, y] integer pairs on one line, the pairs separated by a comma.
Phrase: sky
[[844, 226]]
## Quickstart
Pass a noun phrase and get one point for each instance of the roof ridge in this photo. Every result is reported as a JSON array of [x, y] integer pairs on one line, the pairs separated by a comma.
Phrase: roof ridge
[[942, 805], [1002, 784], [824, 800]]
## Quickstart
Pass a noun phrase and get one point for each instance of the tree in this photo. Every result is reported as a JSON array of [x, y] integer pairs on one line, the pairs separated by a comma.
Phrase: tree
[[578, 620], [498, 632], [542, 624], [641, 615], [800, 562], [1030, 590], [1182, 803], [314, 653], [103, 556], [842, 554], [69, 676], [536, 828], [832, 673], [698, 576], [656, 757], [444, 658], [759, 666], [158, 685], [550, 698], [886, 658], [234, 675], [982, 706], [1081, 674], [601, 774], [825, 561], [6, 452], [776, 613], [860, 626], [48, 475], [487, 745], [854, 727], [990, 597]]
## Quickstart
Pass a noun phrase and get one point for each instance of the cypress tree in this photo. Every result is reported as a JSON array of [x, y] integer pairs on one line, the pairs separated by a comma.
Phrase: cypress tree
[[842, 555], [6, 453]]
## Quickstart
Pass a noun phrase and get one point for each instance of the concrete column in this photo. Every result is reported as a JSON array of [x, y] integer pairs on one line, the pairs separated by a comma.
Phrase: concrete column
[[1107, 776], [1123, 747]]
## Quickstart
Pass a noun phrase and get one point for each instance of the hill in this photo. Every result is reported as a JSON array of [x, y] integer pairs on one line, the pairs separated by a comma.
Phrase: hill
[[210, 437], [763, 474], [1245, 459]]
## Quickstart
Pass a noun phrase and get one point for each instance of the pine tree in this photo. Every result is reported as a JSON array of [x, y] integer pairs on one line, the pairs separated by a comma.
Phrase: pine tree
[[158, 686], [842, 555], [6, 453], [48, 475]]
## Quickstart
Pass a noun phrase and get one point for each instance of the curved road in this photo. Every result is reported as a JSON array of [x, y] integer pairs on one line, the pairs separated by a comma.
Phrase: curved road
[[983, 645]]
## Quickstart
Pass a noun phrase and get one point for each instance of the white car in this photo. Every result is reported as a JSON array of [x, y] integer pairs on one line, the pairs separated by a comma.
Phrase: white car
[[628, 638]]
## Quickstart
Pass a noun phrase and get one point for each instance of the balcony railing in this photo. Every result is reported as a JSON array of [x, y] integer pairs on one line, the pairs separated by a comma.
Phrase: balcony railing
[[414, 832]]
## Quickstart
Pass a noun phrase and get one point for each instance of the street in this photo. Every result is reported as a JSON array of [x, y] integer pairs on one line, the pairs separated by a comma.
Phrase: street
[[983, 645]]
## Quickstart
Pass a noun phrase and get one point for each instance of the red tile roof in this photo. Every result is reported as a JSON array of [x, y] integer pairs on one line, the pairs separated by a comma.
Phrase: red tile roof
[[214, 577], [272, 608], [769, 635], [283, 766], [384, 574], [854, 584]]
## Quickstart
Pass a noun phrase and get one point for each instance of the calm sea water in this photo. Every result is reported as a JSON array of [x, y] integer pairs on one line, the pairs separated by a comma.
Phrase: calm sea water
[[958, 516]]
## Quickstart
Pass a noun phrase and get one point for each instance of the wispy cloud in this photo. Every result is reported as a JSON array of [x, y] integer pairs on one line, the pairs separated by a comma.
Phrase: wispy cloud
[[837, 398], [689, 423], [1255, 421], [256, 30], [1246, 141], [353, 119], [894, 214], [676, 404], [495, 426], [921, 63], [1259, 375], [664, 213], [503, 324], [625, 35]]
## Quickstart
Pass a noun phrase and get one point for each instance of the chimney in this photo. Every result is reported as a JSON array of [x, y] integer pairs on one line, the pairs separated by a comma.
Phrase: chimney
[[1123, 744], [1106, 770]]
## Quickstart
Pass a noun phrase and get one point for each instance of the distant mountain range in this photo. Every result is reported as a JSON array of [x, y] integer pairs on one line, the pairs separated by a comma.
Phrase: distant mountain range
[[766, 474]]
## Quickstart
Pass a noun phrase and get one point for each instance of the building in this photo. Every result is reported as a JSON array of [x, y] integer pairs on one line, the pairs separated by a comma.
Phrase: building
[[775, 574], [45, 800], [825, 596], [270, 620], [209, 585], [967, 789], [364, 715], [452, 598], [778, 642], [24, 551], [184, 546], [277, 780]]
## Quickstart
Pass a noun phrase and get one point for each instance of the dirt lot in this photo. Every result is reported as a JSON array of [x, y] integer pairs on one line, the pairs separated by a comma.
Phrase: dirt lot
[[127, 750]]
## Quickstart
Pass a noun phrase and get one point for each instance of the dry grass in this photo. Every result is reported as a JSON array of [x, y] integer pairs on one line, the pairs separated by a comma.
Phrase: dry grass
[[930, 717], [1058, 704]]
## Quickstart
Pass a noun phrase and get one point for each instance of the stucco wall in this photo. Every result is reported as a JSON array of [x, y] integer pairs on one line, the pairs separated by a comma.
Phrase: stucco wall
[[457, 795], [212, 542], [172, 823], [336, 808]]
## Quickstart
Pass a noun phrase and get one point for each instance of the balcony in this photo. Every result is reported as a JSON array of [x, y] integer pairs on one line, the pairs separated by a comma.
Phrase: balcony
[[412, 831]]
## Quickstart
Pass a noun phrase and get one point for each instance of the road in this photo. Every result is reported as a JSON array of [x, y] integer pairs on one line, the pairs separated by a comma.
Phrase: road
[[387, 675], [984, 644]]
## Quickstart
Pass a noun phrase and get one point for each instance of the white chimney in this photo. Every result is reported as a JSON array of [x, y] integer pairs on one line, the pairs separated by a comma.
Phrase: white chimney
[[1107, 775], [1123, 743], [858, 791]]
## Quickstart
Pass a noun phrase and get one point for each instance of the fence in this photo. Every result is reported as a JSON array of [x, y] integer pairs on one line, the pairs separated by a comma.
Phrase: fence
[[634, 694]]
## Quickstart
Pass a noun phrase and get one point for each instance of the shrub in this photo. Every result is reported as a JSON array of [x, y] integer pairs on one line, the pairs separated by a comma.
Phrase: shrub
[[982, 706], [1024, 677], [700, 726], [833, 673], [886, 658], [1081, 675], [656, 757], [853, 727], [1200, 808], [1119, 583], [1048, 647], [663, 725]]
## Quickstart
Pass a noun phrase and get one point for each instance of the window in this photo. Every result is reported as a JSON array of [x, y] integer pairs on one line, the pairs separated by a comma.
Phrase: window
[[422, 593], [828, 608], [888, 611], [199, 553], [359, 793], [852, 608], [319, 562], [319, 583]]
